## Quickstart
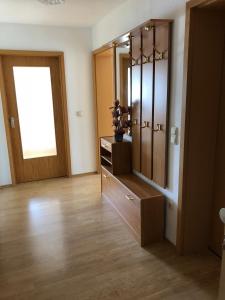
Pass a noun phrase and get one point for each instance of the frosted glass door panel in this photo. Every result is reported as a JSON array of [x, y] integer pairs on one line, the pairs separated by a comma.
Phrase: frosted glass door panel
[[35, 110]]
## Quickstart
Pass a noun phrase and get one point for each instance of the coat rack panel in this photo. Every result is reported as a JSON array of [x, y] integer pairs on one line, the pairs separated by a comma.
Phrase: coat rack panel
[[161, 103], [147, 101], [150, 59], [136, 98]]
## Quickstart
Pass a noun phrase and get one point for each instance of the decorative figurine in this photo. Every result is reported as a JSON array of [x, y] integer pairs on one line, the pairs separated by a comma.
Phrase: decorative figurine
[[120, 120]]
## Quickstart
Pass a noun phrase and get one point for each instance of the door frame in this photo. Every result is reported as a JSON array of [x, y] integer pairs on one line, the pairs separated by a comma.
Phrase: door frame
[[185, 122], [60, 57]]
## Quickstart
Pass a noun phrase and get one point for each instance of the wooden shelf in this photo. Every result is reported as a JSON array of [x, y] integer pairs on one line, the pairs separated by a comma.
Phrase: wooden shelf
[[116, 154], [107, 158]]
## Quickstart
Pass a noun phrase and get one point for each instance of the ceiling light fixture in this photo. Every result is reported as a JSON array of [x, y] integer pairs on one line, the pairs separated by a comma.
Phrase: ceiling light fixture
[[52, 2]]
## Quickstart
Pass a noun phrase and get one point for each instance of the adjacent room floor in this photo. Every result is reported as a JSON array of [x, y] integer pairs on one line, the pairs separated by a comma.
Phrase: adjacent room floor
[[58, 240]]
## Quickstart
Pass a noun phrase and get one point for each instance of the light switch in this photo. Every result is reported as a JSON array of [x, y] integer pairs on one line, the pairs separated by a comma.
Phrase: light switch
[[173, 130], [173, 135]]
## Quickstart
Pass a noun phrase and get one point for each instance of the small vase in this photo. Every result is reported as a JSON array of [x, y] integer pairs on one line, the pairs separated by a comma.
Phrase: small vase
[[119, 137]]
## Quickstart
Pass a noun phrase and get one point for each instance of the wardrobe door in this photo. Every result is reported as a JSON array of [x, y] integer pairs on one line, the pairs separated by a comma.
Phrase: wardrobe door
[[147, 100], [136, 98], [162, 68]]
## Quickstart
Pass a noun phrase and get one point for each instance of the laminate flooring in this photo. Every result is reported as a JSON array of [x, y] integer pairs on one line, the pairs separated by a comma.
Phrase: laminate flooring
[[59, 240]]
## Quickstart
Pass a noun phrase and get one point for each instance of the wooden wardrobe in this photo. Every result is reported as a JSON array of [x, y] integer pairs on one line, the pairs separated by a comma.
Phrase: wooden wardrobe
[[150, 58], [140, 205]]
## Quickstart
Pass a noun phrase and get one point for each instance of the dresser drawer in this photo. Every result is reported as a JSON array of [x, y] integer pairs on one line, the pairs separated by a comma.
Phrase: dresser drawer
[[143, 213], [123, 200], [127, 205], [106, 145]]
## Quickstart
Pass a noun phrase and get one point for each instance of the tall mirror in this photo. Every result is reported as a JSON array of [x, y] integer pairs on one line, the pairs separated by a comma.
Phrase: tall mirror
[[123, 78]]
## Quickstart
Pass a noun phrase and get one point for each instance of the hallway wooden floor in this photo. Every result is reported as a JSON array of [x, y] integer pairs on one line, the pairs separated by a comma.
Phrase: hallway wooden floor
[[59, 241]]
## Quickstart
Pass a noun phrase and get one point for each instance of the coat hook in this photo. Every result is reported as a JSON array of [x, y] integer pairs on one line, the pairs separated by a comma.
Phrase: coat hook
[[158, 128], [146, 125], [135, 61], [135, 122], [160, 55], [149, 27], [147, 59]]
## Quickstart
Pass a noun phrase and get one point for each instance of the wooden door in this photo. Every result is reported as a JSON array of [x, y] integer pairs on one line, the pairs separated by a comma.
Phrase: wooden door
[[217, 228], [148, 35], [105, 94], [161, 102], [203, 70], [136, 99], [222, 276], [35, 108]]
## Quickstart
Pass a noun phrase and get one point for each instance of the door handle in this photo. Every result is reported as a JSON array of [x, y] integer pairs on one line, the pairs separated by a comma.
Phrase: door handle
[[12, 122]]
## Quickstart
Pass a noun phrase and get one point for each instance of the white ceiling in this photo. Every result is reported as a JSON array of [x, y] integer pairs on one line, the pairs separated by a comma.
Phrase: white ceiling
[[82, 13]]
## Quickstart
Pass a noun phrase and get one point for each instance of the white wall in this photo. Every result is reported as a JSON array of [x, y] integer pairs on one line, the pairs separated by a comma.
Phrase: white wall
[[5, 176], [122, 19], [76, 45]]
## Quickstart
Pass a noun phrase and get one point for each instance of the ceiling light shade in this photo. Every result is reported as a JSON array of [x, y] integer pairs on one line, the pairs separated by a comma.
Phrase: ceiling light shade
[[52, 2]]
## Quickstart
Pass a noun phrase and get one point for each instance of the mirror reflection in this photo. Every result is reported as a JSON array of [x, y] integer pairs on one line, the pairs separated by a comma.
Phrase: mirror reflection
[[123, 73], [123, 80]]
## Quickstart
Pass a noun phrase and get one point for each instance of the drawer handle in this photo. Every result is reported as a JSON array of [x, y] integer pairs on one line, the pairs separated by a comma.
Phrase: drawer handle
[[129, 197], [106, 176]]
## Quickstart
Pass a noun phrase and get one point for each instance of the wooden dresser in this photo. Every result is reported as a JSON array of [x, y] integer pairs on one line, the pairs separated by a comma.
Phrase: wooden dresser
[[139, 205]]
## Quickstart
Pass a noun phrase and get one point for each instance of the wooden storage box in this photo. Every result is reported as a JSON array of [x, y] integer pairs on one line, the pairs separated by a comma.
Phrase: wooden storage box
[[139, 205]]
